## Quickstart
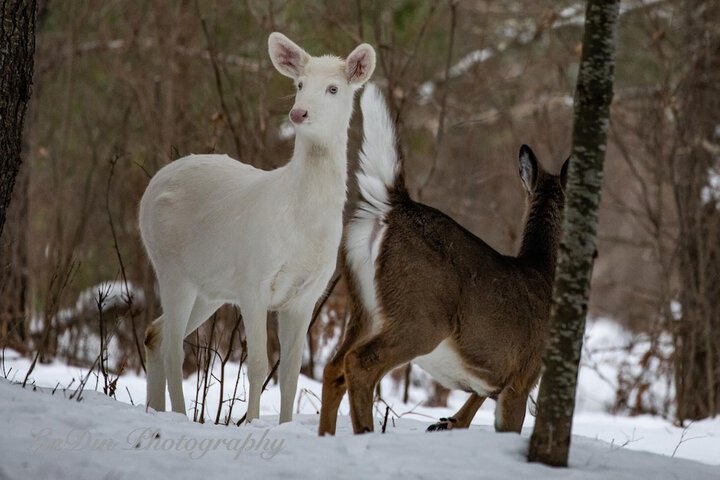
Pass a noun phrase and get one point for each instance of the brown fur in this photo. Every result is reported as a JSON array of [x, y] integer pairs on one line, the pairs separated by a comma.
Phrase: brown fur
[[437, 281], [152, 336]]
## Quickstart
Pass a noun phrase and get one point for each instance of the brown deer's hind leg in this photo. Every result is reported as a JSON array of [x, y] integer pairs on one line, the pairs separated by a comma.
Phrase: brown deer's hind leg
[[462, 418], [334, 388], [510, 410], [334, 381], [366, 364]]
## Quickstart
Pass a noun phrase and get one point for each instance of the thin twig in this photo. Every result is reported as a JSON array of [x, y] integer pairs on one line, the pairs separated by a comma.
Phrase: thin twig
[[683, 439], [439, 135], [102, 295], [384, 425], [223, 362], [321, 303], [128, 297], [70, 272], [219, 83]]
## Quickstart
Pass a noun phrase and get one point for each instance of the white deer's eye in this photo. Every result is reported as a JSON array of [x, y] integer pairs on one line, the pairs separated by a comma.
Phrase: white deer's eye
[[332, 89], [300, 86]]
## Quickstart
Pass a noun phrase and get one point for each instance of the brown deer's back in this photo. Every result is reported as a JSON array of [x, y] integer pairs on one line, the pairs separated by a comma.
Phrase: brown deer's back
[[437, 278]]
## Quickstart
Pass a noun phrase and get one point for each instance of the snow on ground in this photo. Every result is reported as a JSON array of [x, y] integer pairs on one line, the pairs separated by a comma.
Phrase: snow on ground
[[49, 435]]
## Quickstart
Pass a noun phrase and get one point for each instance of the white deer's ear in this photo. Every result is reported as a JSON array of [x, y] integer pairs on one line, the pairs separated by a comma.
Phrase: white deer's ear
[[360, 64], [288, 58], [528, 168]]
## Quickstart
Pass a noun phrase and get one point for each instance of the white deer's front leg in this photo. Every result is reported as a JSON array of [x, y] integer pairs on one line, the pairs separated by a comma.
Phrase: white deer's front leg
[[257, 367], [292, 326]]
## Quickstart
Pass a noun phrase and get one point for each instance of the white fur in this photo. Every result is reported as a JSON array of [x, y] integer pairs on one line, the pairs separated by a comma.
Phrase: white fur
[[219, 231], [378, 169], [378, 158], [362, 254], [446, 366]]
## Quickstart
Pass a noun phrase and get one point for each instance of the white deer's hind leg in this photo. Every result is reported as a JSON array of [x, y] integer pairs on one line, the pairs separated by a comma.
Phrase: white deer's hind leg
[[202, 309], [255, 319], [178, 299], [292, 327], [155, 369]]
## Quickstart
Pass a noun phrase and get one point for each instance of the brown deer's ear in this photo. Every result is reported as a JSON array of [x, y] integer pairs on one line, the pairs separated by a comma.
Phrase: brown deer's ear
[[528, 168], [564, 173], [288, 58]]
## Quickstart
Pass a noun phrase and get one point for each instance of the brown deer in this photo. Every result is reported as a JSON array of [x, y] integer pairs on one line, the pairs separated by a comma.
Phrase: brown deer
[[425, 289]]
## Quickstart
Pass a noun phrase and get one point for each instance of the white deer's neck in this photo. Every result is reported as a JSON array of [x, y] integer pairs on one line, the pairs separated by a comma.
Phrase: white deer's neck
[[319, 169]]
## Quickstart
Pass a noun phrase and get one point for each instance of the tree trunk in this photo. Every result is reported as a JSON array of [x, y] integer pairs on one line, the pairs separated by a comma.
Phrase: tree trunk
[[550, 442], [17, 30], [697, 333], [14, 267]]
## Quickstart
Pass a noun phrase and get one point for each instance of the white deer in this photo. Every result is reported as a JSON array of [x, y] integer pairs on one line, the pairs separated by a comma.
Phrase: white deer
[[220, 231]]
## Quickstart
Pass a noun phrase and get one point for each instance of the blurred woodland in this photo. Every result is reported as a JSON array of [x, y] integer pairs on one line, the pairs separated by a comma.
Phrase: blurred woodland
[[122, 88]]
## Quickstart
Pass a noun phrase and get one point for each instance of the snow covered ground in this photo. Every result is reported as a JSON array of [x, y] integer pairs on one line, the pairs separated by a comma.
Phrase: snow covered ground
[[49, 435]]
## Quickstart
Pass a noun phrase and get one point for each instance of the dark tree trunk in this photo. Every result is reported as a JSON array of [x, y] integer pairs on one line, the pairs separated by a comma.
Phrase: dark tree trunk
[[550, 442], [17, 31], [14, 267], [17, 37], [697, 333]]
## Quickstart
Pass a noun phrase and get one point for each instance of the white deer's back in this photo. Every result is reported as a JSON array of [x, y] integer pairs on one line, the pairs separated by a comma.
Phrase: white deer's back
[[220, 222]]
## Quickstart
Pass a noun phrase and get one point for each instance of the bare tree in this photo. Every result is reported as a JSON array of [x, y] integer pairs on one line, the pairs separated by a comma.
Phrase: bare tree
[[17, 29], [550, 442]]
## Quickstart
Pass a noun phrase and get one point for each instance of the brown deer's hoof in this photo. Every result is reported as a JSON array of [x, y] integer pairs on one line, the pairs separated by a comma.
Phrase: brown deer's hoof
[[443, 424]]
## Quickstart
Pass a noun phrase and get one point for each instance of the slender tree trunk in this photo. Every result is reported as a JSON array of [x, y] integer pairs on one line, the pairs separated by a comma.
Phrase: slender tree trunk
[[17, 31], [550, 442]]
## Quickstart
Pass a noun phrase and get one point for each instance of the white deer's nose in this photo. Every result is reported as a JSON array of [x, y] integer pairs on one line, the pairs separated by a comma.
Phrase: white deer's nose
[[298, 115]]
